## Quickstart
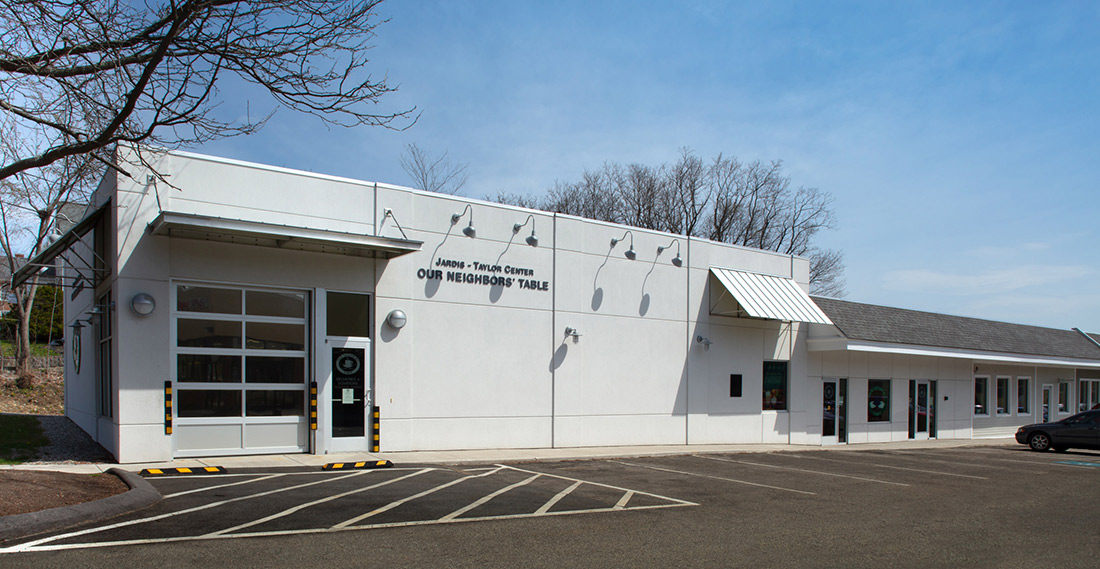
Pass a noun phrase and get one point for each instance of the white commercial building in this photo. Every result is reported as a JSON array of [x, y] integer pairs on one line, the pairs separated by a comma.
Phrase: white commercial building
[[217, 307]]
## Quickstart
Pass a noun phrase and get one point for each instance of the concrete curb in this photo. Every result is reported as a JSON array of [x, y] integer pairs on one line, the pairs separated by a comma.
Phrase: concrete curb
[[140, 495]]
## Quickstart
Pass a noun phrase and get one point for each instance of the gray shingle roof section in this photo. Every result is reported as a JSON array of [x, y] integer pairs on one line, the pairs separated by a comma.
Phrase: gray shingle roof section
[[901, 326]]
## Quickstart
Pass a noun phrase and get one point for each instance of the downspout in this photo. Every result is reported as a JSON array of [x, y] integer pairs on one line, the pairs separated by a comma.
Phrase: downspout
[[553, 334]]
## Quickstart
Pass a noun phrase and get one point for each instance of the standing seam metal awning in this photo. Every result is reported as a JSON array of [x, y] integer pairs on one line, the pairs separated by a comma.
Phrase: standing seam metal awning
[[770, 297]]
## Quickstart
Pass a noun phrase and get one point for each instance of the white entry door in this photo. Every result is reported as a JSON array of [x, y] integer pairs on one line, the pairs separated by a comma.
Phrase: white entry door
[[347, 395]]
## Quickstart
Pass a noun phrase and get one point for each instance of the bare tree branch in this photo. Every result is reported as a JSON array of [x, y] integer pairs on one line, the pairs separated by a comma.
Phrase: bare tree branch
[[436, 174]]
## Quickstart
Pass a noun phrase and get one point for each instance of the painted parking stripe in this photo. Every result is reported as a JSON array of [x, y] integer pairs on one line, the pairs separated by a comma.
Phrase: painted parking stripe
[[557, 498], [30, 544], [620, 506], [875, 465], [486, 498], [301, 507], [602, 485], [1078, 463], [745, 482], [220, 486], [406, 499], [802, 470], [905, 455]]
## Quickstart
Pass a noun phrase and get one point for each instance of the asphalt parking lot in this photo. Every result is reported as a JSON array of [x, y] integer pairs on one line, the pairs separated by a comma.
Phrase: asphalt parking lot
[[974, 507]]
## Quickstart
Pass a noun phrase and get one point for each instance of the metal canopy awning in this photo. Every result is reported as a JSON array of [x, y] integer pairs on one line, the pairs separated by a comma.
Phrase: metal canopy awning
[[766, 296], [208, 228], [45, 258]]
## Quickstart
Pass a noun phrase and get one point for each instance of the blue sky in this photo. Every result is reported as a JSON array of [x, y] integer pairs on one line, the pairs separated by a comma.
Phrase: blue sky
[[960, 139]]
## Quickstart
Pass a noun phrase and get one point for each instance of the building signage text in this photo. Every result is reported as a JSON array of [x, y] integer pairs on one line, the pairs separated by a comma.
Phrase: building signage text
[[477, 273]]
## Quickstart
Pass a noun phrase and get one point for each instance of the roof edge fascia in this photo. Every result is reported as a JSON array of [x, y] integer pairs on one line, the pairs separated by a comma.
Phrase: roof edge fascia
[[843, 344]]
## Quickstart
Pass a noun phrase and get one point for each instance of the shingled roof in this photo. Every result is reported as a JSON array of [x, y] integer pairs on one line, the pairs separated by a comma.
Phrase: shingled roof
[[884, 324]]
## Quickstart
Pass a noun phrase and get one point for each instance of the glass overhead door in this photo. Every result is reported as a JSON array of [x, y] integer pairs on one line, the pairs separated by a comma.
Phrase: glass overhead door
[[240, 367]]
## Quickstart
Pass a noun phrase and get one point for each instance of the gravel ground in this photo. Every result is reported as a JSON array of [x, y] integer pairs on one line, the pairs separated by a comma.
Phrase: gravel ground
[[69, 444]]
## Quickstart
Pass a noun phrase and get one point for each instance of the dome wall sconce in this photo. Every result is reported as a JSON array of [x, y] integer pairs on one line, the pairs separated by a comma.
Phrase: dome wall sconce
[[469, 230], [532, 240], [630, 254], [675, 260], [397, 319], [143, 304]]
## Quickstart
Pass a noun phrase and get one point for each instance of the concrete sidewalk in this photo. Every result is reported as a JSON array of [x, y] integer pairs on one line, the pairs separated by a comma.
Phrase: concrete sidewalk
[[499, 455]]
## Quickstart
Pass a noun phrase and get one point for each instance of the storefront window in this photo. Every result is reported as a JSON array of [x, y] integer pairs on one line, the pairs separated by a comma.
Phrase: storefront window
[[981, 395], [878, 400], [348, 314], [1023, 389], [1002, 396], [775, 386], [1063, 397]]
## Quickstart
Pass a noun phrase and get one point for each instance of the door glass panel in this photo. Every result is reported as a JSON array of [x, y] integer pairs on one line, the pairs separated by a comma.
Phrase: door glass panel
[[348, 388], [207, 299], [932, 409], [206, 368], [842, 412], [208, 403], [828, 420], [265, 303], [263, 369], [348, 314], [922, 407], [270, 336], [267, 403], [912, 409], [191, 333]]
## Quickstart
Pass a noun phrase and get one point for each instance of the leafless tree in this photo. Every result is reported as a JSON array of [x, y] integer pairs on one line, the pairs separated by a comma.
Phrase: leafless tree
[[32, 208], [79, 77], [434, 174], [725, 200]]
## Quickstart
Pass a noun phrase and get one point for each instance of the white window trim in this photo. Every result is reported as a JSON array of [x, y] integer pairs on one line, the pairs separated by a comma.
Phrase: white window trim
[[973, 386], [1008, 395], [1029, 398], [1069, 401]]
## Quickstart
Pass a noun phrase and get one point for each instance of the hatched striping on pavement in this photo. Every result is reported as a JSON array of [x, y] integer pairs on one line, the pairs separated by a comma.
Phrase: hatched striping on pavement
[[457, 497]]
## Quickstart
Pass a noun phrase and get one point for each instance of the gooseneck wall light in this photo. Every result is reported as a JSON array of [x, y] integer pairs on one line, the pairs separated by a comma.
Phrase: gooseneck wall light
[[469, 230], [675, 260], [532, 240], [630, 254]]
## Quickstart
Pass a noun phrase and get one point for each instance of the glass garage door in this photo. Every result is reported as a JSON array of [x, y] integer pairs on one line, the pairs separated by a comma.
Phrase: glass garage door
[[240, 366]]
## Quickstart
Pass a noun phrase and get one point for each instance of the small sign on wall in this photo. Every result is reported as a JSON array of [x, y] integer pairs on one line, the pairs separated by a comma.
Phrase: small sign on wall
[[347, 396]]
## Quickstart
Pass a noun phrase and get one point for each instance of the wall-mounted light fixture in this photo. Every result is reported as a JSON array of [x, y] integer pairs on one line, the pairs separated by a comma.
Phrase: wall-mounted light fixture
[[532, 240], [704, 341], [99, 309], [397, 319], [675, 260], [143, 304], [469, 230], [630, 254], [573, 332]]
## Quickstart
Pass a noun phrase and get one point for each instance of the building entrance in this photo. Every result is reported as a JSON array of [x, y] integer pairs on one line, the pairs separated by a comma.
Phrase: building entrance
[[922, 409], [834, 418]]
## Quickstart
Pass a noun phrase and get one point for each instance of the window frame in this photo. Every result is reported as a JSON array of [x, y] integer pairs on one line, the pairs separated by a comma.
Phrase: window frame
[[1026, 382], [886, 417], [1006, 382], [786, 389], [1065, 399], [984, 404]]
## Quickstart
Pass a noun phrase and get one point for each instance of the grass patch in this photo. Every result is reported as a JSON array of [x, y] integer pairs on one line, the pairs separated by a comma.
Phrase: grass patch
[[20, 438], [37, 350]]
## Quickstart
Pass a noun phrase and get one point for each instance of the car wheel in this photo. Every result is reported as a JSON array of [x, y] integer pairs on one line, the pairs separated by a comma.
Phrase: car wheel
[[1039, 442], [1060, 448]]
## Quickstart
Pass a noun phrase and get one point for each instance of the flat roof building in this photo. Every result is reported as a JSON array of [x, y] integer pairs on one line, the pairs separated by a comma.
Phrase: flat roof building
[[217, 307]]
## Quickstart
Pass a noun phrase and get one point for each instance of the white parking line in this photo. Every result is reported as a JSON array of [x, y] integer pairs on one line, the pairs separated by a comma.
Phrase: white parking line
[[920, 470], [601, 485], [715, 478], [406, 499], [803, 470], [557, 498], [207, 488], [30, 544], [486, 498], [300, 507], [924, 454]]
